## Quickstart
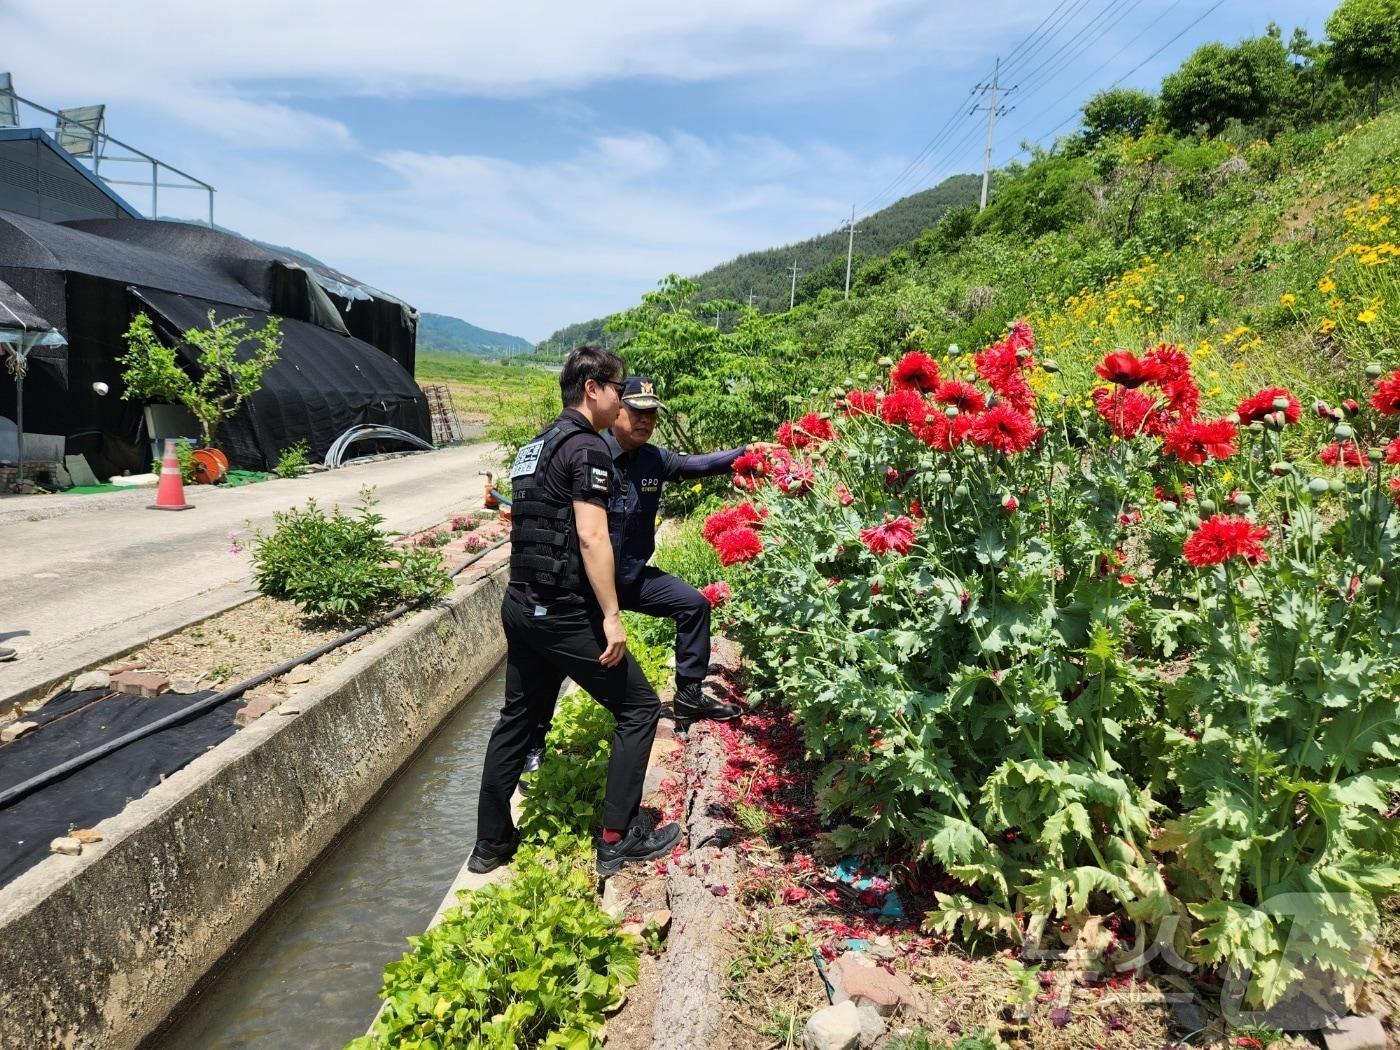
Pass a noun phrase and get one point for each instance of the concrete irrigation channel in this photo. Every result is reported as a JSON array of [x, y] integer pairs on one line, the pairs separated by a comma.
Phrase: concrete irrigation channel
[[99, 950]]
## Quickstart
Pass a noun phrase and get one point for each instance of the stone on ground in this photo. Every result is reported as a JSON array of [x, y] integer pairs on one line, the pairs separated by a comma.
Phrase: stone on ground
[[90, 680], [833, 1028], [87, 836], [255, 705], [15, 730], [299, 675], [141, 683], [1355, 1033], [68, 845], [872, 1025], [855, 977]]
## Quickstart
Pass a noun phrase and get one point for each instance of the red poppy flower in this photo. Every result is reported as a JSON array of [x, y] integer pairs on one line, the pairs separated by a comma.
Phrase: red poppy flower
[[811, 429], [916, 371], [1394, 484], [1224, 536], [1020, 337], [916, 510], [1255, 407], [739, 544], [933, 433], [1345, 453], [896, 535], [716, 593], [964, 396], [1130, 371], [796, 480], [1010, 504], [862, 403], [905, 405], [1128, 413], [844, 495], [1004, 429], [1194, 441], [1000, 368], [1386, 399], [1392, 451], [722, 521]]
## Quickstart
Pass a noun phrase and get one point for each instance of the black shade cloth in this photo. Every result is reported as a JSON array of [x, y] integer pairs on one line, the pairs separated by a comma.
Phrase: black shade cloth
[[73, 723], [288, 283], [322, 385]]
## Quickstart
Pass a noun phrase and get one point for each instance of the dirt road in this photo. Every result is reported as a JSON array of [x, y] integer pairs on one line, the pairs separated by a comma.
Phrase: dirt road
[[85, 576]]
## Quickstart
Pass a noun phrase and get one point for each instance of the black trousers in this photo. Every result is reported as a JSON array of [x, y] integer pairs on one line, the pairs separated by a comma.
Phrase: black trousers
[[541, 651], [659, 594]]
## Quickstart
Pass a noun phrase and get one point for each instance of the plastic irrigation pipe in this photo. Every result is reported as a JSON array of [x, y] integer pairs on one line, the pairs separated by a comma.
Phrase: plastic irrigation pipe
[[58, 772]]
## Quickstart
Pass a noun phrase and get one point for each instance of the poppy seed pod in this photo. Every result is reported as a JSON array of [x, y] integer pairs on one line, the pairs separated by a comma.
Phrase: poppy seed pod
[[1342, 432], [1049, 365], [1375, 455], [1374, 370], [1280, 404], [1317, 486], [1336, 485], [1243, 500], [885, 362], [1373, 583], [1281, 468], [952, 412], [962, 492], [1208, 507], [944, 478]]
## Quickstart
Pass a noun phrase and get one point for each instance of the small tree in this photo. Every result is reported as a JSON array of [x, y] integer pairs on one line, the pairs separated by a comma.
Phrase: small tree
[[226, 377], [1118, 111], [1252, 81], [1366, 44]]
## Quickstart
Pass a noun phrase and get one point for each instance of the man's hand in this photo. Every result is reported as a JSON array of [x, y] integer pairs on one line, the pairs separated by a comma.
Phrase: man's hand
[[762, 446], [616, 636]]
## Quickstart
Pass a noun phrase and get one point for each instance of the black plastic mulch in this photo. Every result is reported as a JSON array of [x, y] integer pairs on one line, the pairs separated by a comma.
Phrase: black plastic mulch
[[73, 723]]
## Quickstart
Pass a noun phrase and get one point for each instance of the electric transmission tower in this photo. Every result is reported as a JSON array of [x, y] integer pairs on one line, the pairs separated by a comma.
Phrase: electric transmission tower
[[994, 110], [850, 248], [792, 295]]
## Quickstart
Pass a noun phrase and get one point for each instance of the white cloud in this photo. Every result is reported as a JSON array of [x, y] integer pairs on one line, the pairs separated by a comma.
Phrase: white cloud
[[527, 247]]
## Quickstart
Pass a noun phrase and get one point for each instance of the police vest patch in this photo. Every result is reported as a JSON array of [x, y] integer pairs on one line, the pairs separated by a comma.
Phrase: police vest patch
[[526, 460], [598, 479]]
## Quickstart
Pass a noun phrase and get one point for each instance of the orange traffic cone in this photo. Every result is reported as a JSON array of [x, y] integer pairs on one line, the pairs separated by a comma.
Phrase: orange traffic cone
[[170, 495]]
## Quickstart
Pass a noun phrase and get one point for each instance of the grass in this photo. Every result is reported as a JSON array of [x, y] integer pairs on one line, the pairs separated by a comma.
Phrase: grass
[[513, 401]]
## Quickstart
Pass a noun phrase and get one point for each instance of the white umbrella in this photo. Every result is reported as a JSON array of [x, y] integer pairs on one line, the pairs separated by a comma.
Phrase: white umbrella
[[22, 331]]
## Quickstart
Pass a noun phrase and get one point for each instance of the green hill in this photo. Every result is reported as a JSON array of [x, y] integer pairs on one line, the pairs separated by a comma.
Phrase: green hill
[[821, 261], [454, 336]]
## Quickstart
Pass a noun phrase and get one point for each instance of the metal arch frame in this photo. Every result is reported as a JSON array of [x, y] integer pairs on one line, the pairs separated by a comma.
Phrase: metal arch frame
[[100, 154]]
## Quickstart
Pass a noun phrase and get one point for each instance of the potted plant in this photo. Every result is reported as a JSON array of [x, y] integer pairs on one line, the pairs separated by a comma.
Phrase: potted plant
[[152, 370]]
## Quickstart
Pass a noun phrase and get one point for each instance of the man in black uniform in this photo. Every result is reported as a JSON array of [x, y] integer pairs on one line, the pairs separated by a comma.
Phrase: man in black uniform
[[639, 472], [561, 619]]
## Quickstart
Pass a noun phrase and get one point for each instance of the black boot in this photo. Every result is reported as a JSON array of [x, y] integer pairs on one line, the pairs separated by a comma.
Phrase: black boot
[[488, 855], [637, 845], [691, 704]]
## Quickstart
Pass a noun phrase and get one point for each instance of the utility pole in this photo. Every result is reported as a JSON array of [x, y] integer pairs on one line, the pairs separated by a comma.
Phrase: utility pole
[[850, 248], [751, 298], [993, 111], [792, 295]]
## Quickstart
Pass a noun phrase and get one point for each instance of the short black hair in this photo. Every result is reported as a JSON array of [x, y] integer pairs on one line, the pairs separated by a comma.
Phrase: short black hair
[[584, 363]]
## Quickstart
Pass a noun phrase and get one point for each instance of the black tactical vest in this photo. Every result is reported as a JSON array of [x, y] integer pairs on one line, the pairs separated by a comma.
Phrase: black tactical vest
[[543, 544]]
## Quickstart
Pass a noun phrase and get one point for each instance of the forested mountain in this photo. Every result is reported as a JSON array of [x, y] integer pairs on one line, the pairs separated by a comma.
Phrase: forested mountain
[[453, 335], [821, 261]]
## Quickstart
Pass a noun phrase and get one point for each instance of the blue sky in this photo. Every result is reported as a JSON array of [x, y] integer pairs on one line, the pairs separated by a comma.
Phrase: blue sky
[[531, 164]]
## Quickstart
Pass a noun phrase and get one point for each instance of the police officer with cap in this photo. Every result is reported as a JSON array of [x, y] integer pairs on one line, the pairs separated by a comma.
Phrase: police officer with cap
[[561, 620]]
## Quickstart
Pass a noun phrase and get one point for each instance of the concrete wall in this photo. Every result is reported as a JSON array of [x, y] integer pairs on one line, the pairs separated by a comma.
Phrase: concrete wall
[[96, 950]]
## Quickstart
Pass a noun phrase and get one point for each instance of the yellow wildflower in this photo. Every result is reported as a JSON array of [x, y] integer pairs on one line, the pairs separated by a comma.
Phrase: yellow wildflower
[[696, 487], [1326, 325], [1287, 299], [1366, 316], [1327, 286]]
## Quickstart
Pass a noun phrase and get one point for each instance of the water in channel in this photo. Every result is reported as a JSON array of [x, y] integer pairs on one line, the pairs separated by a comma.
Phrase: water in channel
[[309, 975]]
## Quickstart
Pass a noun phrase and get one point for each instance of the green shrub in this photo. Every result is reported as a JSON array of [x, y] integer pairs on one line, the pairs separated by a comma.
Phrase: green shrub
[[529, 962], [341, 568], [292, 463]]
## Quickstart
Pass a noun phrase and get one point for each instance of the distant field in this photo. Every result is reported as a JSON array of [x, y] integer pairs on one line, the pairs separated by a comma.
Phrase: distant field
[[512, 401]]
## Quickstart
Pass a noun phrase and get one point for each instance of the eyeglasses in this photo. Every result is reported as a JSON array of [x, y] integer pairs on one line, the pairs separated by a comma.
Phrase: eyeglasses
[[617, 384]]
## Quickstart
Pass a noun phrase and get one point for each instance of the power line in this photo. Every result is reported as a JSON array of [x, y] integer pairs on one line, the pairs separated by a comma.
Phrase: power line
[[1187, 28], [960, 115], [1143, 32], [1098, 28]]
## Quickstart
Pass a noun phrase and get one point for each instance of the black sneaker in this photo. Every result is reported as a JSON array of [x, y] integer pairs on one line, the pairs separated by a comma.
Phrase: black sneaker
[[691, 704], [488, 856], [637, 844], [533, 758]]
